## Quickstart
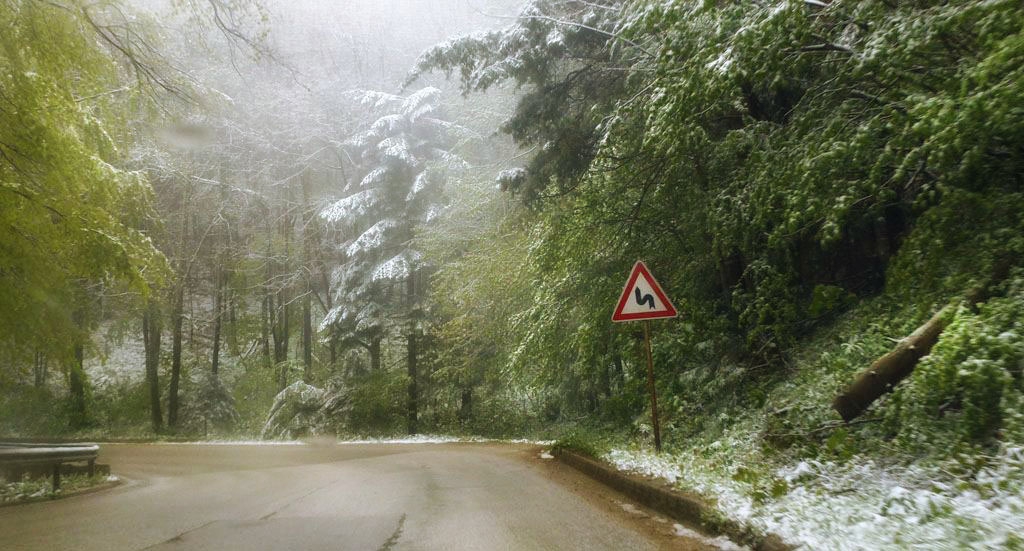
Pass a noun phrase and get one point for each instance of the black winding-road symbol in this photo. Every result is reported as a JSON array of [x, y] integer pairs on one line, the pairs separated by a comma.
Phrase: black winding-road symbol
[[647, 299]]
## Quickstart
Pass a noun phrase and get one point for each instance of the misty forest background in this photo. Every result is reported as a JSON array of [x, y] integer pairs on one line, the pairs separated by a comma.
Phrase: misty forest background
[[373, 218]]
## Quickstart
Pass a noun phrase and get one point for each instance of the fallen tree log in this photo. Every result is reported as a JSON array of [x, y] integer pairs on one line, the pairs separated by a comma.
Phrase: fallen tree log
[[891, 368], [896, 365]]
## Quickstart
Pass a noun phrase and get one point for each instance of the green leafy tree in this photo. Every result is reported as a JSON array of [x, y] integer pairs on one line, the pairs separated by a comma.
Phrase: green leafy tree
[[756, 155], [70, 217]]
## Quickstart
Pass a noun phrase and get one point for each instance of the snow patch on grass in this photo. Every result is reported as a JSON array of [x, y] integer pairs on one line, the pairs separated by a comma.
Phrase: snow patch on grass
[[414, 439], [720, 542], [234, 443], [631, 509], [443, 439], [860, 504]]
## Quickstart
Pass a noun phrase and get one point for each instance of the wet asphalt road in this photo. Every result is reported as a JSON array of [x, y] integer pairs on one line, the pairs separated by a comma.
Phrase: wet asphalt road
[[338, 497]]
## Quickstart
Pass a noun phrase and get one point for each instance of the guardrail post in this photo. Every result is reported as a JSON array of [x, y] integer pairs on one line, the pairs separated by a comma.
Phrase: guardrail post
[[92, 468], [56, 477]]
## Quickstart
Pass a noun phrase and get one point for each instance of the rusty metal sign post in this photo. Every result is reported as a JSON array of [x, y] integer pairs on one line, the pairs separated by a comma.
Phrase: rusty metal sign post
[[643, 299]]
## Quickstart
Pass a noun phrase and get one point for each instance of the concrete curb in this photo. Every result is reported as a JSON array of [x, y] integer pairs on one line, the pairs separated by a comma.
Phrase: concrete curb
[[667, 501]]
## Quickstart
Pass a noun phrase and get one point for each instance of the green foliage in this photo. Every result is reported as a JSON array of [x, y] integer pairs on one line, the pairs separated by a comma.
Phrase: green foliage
[[121, 409], [41, 488], [945, 256], [26, 410], [969, 388], [208, 406], [67, 213], [378, 402], [253, 392], [828, 298], [776, 164], [585, 442]]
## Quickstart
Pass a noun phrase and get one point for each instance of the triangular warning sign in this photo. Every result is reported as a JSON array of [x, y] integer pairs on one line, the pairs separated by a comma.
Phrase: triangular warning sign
[[642, 298]]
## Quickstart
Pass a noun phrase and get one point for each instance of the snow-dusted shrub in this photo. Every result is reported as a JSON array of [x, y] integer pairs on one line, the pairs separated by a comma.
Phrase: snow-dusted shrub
[[970, 387], [379, 402], [207, 405], [302, 410], [294, 412]]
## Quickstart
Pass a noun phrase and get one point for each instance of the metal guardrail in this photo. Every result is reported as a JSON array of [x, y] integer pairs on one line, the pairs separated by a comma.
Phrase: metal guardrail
[[52, 455]]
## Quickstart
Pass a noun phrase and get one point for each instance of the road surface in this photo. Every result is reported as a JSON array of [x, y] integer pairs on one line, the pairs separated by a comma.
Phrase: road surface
[[338, 497]]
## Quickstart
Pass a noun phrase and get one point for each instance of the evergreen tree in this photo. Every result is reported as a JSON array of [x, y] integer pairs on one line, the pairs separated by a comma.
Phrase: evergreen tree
[[404, 158]]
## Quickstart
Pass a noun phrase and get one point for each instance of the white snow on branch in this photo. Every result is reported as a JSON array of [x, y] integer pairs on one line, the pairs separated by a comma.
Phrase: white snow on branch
[[416, 102], [334, 315], [723, 62], [419, 184], [372, 238], [374, 177], [511, 178], [450, 159], [398, 267], [388, 124], [374, 98], [433, 212], [451, 128], [353, 206], [422, 179], [370, 317], [397, 149], [362, 139]]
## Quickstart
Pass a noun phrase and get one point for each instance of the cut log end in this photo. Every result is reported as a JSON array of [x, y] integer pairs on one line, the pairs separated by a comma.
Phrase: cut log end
[[846, 407]]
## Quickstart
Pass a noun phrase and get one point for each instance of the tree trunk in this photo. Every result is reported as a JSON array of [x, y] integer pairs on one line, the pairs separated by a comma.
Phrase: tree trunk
[[605, 377], [218, 307], [412, 412], [279, 325], [265, 329], [332, 350], [308, 234], [192, 325], [176, 320], [39, 369], [285, 319], [151, 344], [374, 350], [895, 366], [232, 321], [466, 403], [76, 386], [307, 337], [891, 368]]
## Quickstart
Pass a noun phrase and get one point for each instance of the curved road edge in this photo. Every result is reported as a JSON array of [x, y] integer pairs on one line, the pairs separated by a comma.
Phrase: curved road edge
[[668, 501]]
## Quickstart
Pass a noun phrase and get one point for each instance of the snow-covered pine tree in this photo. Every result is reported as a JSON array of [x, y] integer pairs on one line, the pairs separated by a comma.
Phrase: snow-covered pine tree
[[573, 64], [404, 157]]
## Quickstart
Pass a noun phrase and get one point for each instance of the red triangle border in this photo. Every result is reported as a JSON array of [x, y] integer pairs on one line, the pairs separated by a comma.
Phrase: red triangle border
[[641, 269]]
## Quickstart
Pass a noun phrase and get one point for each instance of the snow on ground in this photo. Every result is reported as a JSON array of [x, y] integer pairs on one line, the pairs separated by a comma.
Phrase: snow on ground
[[234, 443], [442, 439], [860, 504], [720, 542], [118, 361], [414, 439]]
